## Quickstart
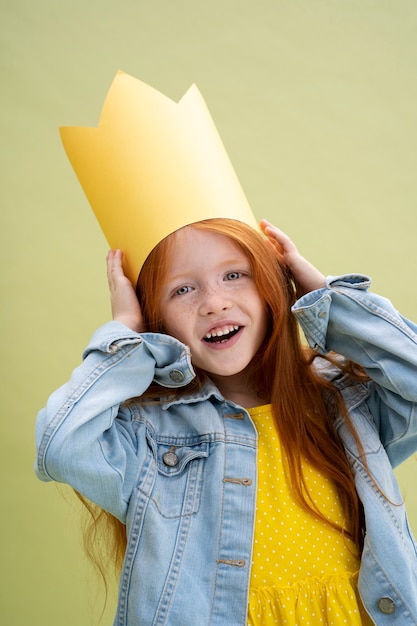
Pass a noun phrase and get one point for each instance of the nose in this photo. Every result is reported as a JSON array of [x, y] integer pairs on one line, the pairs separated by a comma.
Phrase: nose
[[214, 300]]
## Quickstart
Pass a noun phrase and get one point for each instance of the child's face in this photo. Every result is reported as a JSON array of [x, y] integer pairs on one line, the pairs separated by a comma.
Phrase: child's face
[[210, 302]]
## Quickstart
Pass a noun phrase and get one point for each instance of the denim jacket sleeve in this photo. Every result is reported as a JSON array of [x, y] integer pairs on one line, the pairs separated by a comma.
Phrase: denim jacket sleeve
[[83, 420], [346, 318]]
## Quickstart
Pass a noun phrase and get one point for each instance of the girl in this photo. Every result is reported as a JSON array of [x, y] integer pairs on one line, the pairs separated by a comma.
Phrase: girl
[[251, 477]]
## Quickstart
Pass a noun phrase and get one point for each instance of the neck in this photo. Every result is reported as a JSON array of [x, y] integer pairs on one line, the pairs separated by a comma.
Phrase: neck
[[238, 389]]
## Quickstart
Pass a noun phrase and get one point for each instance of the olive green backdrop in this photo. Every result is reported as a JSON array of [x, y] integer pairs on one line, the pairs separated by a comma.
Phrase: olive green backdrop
[[316, 102]]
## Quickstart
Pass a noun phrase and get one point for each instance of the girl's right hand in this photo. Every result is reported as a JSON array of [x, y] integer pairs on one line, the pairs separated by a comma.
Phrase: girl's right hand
[[124, 303]]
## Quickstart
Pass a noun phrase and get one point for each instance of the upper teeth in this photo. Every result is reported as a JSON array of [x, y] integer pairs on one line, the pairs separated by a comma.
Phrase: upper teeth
[[219, 332]]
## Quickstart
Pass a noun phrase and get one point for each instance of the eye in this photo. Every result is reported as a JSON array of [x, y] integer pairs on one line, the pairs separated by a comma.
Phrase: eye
[[182, 290], [233, 275]]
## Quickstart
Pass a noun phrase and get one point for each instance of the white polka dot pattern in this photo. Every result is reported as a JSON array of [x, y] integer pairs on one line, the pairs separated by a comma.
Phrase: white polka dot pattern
[[304, 571]]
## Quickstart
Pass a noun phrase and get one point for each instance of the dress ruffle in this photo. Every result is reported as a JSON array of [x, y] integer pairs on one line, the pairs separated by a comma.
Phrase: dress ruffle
[[330, 601]]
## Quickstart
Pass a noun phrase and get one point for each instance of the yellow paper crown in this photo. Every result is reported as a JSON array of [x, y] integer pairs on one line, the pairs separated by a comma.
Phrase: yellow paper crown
[[151, 167]]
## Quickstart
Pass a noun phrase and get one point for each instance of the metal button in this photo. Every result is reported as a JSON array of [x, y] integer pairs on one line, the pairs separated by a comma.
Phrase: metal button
[[386, 606], [176, 376], [170, 458]]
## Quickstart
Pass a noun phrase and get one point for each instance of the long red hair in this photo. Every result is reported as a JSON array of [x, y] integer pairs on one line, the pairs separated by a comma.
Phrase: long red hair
[[304, 404]]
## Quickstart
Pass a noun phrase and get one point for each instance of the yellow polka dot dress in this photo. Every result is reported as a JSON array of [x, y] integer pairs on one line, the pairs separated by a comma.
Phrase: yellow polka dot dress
[[304, 571]]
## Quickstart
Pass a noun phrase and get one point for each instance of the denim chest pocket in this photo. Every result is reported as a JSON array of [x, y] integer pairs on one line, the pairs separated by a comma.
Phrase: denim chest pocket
[[179, 476]]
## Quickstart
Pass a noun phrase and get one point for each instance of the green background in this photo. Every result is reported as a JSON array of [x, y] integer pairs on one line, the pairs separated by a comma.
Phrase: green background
[[316, 102]]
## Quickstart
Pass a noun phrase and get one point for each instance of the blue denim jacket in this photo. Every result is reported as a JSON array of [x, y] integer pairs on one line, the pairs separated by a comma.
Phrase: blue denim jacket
[[181, 473]]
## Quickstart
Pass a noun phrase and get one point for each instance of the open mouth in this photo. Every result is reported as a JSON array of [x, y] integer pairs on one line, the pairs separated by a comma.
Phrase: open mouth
[[223, 335]]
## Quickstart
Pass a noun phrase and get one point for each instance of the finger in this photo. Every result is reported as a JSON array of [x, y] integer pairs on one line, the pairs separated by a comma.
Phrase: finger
[[114, 264], [272, 232], [277, 236], [275, 233], [114, 257], [276, 248], [112, 271]]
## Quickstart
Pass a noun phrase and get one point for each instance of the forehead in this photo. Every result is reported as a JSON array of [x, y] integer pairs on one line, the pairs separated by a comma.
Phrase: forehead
[[192, 246]]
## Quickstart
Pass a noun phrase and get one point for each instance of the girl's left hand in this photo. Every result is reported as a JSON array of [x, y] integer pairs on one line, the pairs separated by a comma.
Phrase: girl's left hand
[[307, 277]]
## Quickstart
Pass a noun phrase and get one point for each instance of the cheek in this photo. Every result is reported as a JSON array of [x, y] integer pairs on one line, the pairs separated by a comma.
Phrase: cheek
[[263, 318], [176, 321]]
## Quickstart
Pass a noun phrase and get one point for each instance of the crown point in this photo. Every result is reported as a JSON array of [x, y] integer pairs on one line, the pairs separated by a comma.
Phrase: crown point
[[153, 166]]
